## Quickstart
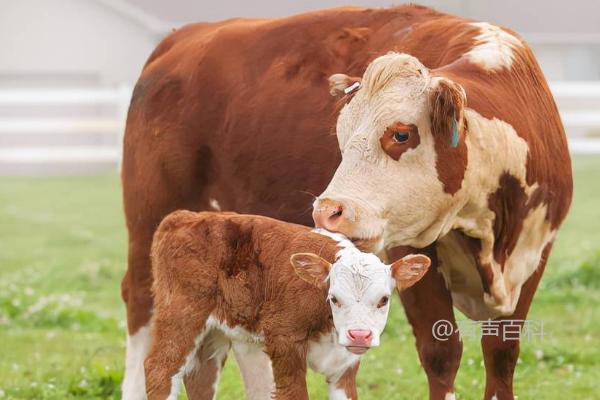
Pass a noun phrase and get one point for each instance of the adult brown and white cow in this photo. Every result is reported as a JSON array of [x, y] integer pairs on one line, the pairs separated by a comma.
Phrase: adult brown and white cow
[[235, 115]]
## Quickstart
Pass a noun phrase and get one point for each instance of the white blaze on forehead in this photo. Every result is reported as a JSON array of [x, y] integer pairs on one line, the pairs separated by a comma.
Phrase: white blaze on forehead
[[353, 270], [494, 47], [354, 273], [393, 82]]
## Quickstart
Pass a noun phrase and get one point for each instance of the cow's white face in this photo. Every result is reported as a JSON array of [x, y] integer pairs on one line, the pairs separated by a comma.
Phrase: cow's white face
[[360, 286], [388, 184]]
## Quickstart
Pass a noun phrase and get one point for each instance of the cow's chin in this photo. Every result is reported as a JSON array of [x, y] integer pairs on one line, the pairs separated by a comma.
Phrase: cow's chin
[[358, 350]]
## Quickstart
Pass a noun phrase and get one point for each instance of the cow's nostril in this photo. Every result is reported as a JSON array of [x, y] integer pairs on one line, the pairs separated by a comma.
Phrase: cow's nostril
[[336, 214]]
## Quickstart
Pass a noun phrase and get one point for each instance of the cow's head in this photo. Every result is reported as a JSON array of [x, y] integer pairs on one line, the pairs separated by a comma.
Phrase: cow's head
[[360, 286], [403, 155]]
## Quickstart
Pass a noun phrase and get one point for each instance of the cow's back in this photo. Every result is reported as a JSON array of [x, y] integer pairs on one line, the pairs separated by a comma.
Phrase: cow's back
[[239, 111]]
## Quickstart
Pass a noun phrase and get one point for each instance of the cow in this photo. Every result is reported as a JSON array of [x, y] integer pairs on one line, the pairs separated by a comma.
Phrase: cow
[[300, 295], [236, 116]]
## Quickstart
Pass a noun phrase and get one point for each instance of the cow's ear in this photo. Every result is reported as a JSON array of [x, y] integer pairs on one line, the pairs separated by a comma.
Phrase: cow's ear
[[447, 101], [311, 268], [342, 84], [409, 270]]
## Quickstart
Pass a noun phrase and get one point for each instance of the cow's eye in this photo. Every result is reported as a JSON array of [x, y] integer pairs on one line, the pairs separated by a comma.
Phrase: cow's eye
[[384, 300], [401, 137], [334, 300]]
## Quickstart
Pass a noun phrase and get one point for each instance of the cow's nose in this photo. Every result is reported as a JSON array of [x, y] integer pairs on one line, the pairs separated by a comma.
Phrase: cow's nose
[[360, 337], [328, 214]]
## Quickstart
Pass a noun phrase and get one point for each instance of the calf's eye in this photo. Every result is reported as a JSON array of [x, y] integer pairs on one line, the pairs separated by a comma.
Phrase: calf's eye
[[384, 300], [334, 300], [400, 136]]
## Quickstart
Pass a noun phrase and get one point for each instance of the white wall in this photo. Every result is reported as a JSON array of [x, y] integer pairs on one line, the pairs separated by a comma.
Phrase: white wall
[[69, 42]]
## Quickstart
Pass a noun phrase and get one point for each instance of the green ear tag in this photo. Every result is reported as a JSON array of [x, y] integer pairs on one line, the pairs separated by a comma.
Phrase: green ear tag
[[455, 137]]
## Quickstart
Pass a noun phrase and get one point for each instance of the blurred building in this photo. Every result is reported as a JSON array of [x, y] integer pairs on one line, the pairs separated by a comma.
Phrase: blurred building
[[68, 66]]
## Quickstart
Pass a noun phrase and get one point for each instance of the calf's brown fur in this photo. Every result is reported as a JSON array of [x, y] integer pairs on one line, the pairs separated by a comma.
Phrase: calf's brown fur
[[237, 269]]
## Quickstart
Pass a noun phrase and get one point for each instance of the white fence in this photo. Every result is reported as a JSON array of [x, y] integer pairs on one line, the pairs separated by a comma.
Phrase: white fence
[[80, 130], [61, 131]]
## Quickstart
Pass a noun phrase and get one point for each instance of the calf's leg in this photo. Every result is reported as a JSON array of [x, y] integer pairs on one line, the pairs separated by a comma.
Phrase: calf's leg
[[201, 381], [255, 367], [425, 303], [500, 356], [178, 332], [289, 368]]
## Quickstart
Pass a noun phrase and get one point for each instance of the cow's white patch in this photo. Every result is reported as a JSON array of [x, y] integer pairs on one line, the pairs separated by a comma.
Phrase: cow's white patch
[[486, 142], [214, 204], [450, 396], [256, 369], [134, 383], [494, 397], [494, 47]]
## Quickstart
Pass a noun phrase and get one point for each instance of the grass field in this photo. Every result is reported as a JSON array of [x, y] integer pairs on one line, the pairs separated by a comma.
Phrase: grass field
[[62, 255]]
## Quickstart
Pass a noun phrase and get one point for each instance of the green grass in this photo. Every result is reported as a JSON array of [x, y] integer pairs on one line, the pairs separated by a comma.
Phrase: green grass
[[62, 255]]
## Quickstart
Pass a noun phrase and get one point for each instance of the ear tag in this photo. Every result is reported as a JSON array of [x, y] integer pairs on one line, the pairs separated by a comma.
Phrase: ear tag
[[455, 136], [352, 88]]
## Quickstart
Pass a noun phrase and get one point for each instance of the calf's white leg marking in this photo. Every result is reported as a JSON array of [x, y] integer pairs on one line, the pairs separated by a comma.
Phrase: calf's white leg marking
[[256, 370], [336, 393], [134, 383]]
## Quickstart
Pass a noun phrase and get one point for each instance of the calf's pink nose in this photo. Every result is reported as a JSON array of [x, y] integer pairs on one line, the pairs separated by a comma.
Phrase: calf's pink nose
[[328, 214], [360, 337]]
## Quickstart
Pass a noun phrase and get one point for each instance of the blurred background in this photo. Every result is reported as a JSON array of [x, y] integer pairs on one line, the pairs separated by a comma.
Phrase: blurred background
[[68, 67]]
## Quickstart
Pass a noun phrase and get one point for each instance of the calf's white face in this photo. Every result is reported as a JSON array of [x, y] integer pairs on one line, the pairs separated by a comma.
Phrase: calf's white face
[[360, 286], [389, 184]]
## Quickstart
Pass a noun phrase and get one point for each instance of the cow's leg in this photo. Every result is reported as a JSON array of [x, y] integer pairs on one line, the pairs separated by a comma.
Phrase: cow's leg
[[425, 303], [344, 388], [500, 356], [289, 368], [154, 184], [201, 382], [255, 367], [136, 293]]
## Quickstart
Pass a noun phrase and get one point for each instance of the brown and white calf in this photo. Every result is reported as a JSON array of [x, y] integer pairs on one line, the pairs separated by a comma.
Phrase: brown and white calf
[[302, 296]]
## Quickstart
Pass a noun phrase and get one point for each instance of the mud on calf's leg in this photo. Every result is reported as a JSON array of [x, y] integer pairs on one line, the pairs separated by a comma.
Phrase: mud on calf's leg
[[425, 303]]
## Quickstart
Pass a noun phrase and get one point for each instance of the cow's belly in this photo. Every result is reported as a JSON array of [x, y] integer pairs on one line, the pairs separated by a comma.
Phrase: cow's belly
[[458, 267]]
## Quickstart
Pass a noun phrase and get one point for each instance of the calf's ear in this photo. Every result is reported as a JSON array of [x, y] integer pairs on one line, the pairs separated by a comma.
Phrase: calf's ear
[[311, 268], [342, 84], [409, 270], [447, 101]]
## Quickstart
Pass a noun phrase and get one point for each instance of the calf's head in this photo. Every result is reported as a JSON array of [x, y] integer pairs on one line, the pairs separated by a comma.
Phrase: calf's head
[[403, 156], [359, 290]]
